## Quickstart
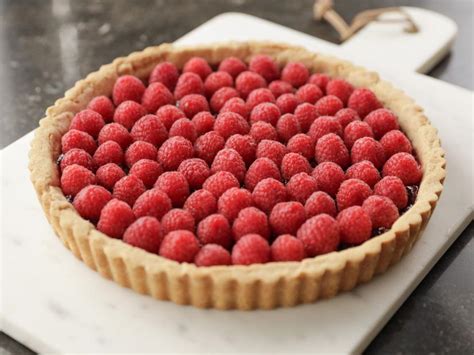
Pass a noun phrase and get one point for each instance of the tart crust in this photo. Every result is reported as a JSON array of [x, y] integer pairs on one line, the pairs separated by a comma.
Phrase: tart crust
[[263, 286]]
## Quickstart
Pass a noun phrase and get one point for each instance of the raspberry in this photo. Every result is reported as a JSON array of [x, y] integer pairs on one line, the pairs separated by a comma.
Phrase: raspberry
[[346, 116], [154, 203], [237, 105], [352, 192], [231, 161], [273, 150], [382, 211], [265, 66], [309, 93], [74, 178], [78, 139], [196, 171], [147, 171], [169, 114], [260, 169], [381, 121], [331, 148], [306, 114], [115, 218], [127, 87], [363, 101], [287, 248], [177, 219], [181, 246], [250, 220], [301, 144], [355, 226], [251, 249], [232, 201], [259, 96], [287, 127], [203, 122], [150, 129], [192, 104], [183, 128], [129, 112], [294, 163], [320, 235], [268, 193], [266, 112], [287, 217], [109, 152], [287, 103], [329, 177], [88, 121], [212, 255], [104, 106], [230, 123], [295, 73], [188, 83], [128, 189], [198, 66], [367, 148], [320, 79], [320, 202], [262, 130], [201, 203], [280, 87], [157, 95], [220, 182], [339, 88], [138, 151], [214, 229], [217, 80], [232, 65], [175, 185], [395, 142], [221, 96], [108, 175], [301, 186], [208, 145], [404, 166], [174, 151], [393, 188], [324, 125], [145, 233], [77, 156], [244, 145], [117, 133], [248, 81], [90, 201], [365, 171], [356, 130], [328, 105], [165, 73]]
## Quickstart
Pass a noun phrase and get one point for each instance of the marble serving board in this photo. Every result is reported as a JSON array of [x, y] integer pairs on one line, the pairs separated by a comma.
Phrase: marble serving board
[[52, 302]]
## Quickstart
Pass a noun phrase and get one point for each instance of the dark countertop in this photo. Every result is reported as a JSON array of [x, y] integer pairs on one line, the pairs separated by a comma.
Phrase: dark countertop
[[45, 46]]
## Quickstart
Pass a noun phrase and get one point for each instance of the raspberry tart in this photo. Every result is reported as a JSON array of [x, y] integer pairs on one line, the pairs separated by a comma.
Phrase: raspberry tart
[[236, 175]]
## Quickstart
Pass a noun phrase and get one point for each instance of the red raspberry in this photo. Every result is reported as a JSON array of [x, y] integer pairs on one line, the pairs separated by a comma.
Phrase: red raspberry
[[287, 217], [320, 202], [294, 163], [339, 88], [395, 142], [77, 156], [244, 145], [196, 171], [346, 116], [367, 148], [201, 203], [108, 175], [237, 105], [301, 144], [150, 129], [355, 226], [324, 125], [382, 211], [165, 73], [183, 128], [104, 106], [287, 127], [169, 114], [363, 101], [393, 188], [188, 83], [177, 219], [301, 186], [320, 79], [175, 185], [273, 150], [404, 166], [138, 151], [381, 121], [320, 235], [306, 114], [145, 233], [262, 130], [157, 95], [232, 65], [356, 130], [129, 112], [268, 193], [230, 123], [265, 66], [117, 133], [109, 152], [198, 66], [217, 80], [208, 145], [251, 220], [147, 171], [365, 171], [251, 249], [192, 104], [287, 248], [309, 93], [215, 229], [115, 218], [203, 122], [331, 148], [231, 161], [212, 255], [127, 87], [266, 112], [74, 178], [181, 246], [174, 151], [88, 121], [128, 189], [220, 182], [280, 87], [232, 201], [328, 105], [287, 103], [221, 96], [154, 203], [352, 192], [329, 177], [78, 139], [248, 81], [259, 96], [260, 169], [90, 201], [295, 73]]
